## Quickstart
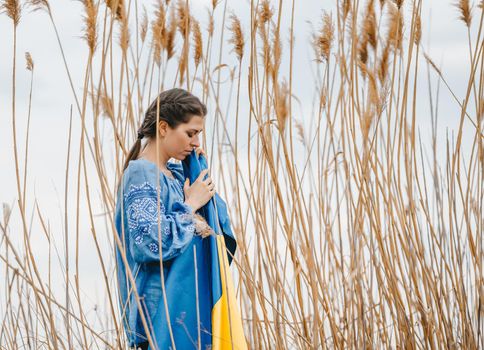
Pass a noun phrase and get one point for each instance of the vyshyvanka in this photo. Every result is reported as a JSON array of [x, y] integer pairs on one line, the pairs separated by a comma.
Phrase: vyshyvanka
[[195, 307]]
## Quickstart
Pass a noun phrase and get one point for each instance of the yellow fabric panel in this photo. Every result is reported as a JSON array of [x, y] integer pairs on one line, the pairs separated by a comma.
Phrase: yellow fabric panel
[[225, 312]]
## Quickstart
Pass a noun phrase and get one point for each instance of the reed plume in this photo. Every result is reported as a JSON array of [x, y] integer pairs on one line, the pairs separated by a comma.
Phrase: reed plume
[[12, 9], [169, 40], [197, 42], [39, 5], [395, 31], [158, 30], [183, 15], [465, 9], [29, 61], [237, 38], [276, 53], [182, 66], [369, 25], [124, 31], [90, 24], [323, 40], [117, 8], [210, 24], [417, 29], [265, 12], [383, 65], [144, 25], [345, 9], [281, 104]]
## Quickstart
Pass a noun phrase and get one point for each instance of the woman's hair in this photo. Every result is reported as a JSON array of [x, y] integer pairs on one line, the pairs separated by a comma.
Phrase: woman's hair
[[175, 106]]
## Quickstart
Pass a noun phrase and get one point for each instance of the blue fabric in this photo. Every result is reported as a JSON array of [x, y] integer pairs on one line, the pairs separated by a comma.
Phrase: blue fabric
[[139, 217]]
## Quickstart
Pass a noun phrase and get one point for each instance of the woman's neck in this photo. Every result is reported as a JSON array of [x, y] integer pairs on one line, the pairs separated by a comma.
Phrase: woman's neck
[[149, 153]]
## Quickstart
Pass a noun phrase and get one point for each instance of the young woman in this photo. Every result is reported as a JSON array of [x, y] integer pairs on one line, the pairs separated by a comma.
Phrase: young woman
[[156, 222]]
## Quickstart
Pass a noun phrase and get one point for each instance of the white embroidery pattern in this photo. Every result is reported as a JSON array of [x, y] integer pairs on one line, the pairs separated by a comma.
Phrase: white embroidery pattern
[[191, 228], [142, 211], [153, 247]]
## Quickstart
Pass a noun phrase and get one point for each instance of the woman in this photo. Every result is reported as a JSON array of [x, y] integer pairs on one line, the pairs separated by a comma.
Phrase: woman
[[157, 206]]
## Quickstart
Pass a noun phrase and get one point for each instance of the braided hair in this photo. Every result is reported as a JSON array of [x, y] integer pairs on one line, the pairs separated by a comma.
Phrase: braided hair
[[174, 106]]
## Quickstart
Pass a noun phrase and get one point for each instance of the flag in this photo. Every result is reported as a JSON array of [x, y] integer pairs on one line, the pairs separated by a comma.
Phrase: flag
[[198, 308], [227, 330]]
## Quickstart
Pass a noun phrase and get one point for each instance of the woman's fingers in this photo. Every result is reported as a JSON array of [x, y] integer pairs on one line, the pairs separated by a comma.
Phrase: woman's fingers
[[211, 188], [199, 150], [202, 174]]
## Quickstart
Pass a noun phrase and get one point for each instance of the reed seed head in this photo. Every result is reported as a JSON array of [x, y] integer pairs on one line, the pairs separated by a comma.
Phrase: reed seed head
[[90, 24], [323, 40], [197, 42], [345, 8], [39, 5], [265, 12], [210, 25], [124, 35], [418, 29], [12, 9], [395, 32], [169, 40], [183, 18], [237, 39], [29, 61], [281, 104], [158, 28], [144, 25], [117, 8], [465, 9]]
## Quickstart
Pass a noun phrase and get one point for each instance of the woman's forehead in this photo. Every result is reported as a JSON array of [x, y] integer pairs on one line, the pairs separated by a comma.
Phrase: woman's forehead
[[195, 122]]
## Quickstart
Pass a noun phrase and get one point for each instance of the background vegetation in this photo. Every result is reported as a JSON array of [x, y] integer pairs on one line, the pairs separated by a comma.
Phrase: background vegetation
[[355, 229]]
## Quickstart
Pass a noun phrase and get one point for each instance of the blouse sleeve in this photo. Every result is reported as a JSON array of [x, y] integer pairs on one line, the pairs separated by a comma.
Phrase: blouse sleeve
[[146, 223]]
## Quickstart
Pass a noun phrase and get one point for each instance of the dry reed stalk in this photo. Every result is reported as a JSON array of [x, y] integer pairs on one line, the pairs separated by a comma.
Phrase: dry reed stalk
[[369, 257]]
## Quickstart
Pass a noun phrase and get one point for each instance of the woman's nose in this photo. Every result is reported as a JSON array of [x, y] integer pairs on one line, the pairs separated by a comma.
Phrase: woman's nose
[[195, 141]]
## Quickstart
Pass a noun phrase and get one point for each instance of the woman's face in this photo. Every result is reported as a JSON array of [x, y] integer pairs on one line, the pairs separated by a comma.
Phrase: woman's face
[[179, 142]]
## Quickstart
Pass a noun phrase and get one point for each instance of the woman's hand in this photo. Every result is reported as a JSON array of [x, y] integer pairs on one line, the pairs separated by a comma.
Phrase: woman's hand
[[199, 150], [200, 192]]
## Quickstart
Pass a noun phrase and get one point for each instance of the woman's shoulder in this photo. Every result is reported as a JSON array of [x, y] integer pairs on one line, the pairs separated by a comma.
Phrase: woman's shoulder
[[144, 169], [140, 167]]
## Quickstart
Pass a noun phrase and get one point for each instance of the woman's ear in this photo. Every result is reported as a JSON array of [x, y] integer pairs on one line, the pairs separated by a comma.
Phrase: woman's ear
[[162, 128]]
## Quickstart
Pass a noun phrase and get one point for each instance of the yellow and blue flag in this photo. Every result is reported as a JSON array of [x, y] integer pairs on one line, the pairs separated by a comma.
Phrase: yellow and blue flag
[[199, 308]]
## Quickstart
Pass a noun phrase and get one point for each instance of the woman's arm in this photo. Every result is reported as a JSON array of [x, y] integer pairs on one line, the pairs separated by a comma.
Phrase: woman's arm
[[149, 223]]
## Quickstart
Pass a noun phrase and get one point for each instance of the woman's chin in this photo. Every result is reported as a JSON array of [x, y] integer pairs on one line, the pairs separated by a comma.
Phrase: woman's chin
[[182, 156]]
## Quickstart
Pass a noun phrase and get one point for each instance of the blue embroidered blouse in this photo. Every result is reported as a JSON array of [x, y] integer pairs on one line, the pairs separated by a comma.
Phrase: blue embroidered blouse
[[139, 223]]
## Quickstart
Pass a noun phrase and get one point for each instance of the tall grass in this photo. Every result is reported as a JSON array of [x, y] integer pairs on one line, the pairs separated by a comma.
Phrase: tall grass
[[353, 230]]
